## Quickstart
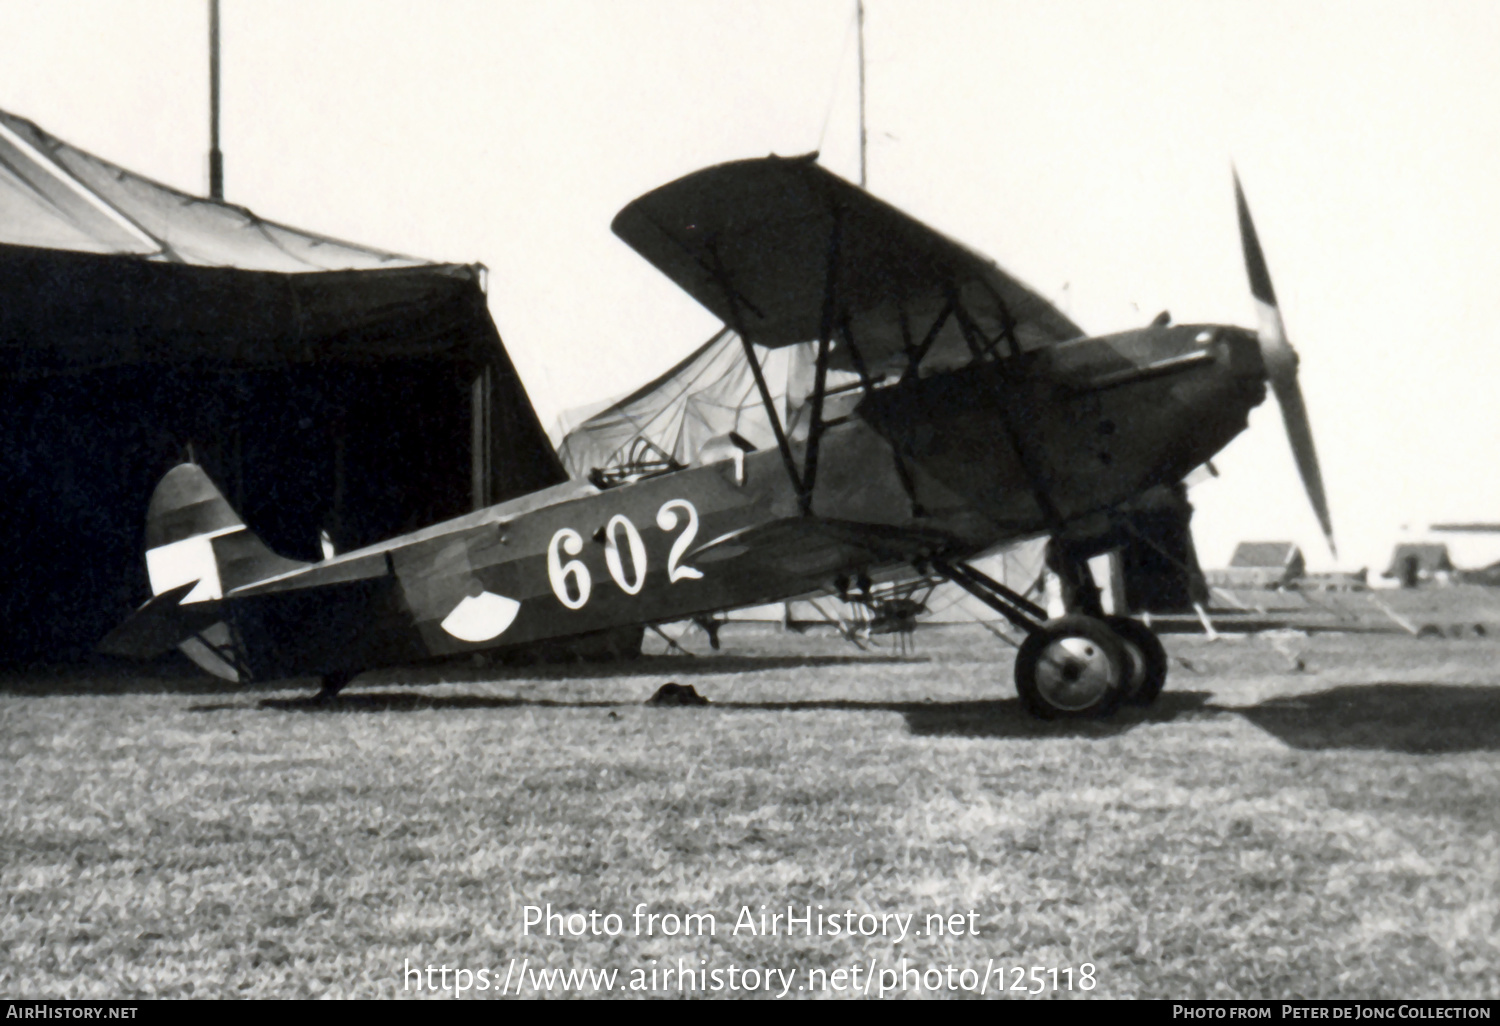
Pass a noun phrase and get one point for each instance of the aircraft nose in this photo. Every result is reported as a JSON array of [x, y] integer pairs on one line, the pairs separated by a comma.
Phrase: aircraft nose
[[1238, 349]]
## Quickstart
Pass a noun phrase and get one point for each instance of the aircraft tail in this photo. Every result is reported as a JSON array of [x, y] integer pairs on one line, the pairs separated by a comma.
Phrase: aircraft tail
[[197, 550], [192, 534]]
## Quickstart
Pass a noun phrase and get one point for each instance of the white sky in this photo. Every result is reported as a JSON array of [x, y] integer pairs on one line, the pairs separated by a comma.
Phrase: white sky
[[1084, 146]]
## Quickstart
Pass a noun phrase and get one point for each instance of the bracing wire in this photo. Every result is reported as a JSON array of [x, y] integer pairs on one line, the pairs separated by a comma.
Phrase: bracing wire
[[833, 91]]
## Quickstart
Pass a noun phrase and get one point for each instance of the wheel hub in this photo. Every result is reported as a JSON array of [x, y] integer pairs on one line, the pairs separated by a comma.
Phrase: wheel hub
[[1074, 673]]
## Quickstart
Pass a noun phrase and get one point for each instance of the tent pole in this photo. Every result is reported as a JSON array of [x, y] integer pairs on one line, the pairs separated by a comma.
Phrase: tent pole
[[860, 27], [481, 395], [215, 155]]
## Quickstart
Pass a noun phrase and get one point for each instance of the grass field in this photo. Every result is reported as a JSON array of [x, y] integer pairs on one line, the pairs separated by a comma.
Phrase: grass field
[[1264, 831]]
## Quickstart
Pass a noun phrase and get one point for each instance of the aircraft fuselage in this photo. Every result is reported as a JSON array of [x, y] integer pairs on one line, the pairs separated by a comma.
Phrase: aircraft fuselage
[[943, 466]]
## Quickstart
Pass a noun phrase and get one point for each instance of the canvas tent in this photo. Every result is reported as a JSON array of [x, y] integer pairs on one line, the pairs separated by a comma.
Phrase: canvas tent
[[325, 386], [710, 393]]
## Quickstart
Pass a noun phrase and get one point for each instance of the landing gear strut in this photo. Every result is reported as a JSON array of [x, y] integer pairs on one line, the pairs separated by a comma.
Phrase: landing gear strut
[[1082, 665]]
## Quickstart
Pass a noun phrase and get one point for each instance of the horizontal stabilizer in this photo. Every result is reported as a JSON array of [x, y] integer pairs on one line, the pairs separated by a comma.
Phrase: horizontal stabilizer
[[160, 625]]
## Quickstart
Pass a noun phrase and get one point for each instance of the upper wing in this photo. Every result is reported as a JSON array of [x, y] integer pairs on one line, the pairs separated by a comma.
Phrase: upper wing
[[781, 247]]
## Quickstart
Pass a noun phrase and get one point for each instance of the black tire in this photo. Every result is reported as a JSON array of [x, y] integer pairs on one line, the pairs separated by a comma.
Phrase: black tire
[[1074, 667], [1148, 659]]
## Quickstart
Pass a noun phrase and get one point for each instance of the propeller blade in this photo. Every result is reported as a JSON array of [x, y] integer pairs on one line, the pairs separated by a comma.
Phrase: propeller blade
[[1255, 260], [1299, 433], [1281, 361]]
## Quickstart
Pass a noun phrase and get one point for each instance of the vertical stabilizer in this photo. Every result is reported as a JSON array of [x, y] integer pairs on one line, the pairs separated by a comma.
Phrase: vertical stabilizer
[[197, 550], [192, 534]]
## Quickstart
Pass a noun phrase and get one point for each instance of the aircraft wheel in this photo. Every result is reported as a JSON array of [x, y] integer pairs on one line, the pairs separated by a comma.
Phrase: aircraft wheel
[[1146, 656], [1074, 667]]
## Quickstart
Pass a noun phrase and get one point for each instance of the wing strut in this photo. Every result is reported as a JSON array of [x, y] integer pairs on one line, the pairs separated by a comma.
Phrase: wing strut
[[815, 428], [737, 322], [765, 400], [820, 377], [804, 480], [914, 356], [1007, 324], [981, 345]]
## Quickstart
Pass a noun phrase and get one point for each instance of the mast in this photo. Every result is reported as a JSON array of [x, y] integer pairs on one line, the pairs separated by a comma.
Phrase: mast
[[215, 155], [860, 24]]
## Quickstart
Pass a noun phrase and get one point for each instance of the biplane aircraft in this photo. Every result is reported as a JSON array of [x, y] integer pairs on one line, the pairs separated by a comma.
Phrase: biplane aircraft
[[973, 414]]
